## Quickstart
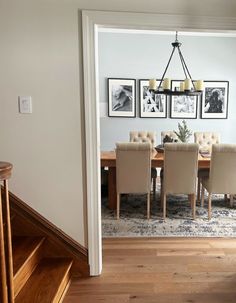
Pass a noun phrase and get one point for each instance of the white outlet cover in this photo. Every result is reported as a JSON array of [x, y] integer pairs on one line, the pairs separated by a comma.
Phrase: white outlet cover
[[25, 104]]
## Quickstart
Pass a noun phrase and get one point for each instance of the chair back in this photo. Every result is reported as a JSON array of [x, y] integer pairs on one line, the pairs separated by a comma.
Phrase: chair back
[[133, 167], [143, 137], [180, 168], [170, 134], [223, 169], [206, 139]]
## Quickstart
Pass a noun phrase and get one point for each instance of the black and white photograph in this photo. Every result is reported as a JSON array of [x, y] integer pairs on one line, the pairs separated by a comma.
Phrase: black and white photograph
[[183, 107], [121, 97], [151, 105], [215, 100]]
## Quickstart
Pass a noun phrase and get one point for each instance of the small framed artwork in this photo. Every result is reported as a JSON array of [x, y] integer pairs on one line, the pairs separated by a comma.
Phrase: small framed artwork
[[151, 105], [215, 100], [182, 106], [121, 97]]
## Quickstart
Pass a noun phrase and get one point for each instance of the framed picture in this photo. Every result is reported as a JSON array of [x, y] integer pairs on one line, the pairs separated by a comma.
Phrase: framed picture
[[183, 106], [215, 100], [121, 97], [151, 105]]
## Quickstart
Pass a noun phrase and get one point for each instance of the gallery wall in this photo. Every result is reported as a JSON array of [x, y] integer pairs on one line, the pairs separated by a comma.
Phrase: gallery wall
[[145, 55]]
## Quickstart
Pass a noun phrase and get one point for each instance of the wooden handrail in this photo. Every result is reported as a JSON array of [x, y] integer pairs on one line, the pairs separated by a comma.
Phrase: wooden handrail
[[6, 261]]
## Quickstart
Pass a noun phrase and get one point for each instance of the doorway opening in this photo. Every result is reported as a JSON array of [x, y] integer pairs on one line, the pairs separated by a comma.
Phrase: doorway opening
[[91, 75]]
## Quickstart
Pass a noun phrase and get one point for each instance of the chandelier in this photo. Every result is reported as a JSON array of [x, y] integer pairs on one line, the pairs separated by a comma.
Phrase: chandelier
[[187, 87]]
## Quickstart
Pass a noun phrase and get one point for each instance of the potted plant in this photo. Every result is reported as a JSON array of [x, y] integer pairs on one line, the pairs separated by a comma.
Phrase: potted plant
[[183, 133]]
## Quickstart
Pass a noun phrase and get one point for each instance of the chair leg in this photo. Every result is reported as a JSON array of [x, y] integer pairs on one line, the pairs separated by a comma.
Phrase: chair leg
[[198, 189], [118, 207], [164, 206], [209, 206], [162, 194], [202, 196], [231, 200], [193, 204], [148, 206], [154, 181]]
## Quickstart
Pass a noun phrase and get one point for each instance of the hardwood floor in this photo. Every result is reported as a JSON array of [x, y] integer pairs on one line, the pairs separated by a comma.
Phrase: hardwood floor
[[161, 270]]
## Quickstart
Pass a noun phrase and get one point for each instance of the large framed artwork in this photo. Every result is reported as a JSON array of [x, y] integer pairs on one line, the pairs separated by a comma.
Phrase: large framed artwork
[[121, 97], [215, 100], [151, 105], [182, 106]]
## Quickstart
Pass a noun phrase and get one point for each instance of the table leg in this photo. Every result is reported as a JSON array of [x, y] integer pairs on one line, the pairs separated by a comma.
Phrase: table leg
[[112, 188]]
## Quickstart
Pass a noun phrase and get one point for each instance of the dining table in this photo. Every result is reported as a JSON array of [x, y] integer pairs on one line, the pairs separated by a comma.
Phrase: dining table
[[108, 160]]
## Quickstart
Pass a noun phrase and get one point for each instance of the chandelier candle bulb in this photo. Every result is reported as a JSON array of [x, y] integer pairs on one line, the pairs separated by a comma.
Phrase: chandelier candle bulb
[[181, 86], [166, 84], [199, 85], [152, 84], [187, 84]]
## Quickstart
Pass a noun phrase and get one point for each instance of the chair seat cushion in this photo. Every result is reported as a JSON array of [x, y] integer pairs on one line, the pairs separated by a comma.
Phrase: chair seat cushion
[[154, 172]]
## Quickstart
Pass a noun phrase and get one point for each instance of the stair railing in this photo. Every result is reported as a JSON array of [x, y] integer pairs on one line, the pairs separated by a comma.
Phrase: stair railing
[[6, 261]]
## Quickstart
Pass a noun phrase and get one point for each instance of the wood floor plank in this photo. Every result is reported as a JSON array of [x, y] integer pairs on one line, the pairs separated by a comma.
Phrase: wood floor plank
[[163, 270]]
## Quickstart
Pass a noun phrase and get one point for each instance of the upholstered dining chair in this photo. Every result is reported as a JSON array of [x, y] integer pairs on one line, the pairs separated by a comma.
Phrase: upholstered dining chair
[[146, 136], [222, 174], [180, 172], [205, 141], [133, 171]]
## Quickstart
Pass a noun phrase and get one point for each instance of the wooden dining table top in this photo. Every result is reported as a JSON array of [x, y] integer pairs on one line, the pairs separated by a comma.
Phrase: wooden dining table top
[[108, 159]]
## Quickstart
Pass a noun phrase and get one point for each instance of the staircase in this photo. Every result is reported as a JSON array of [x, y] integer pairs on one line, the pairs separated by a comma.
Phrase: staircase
[[37, 279], [35, 273]]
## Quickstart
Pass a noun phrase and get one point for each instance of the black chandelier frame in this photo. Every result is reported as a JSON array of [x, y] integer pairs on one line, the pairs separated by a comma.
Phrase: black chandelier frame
[[176, 46]]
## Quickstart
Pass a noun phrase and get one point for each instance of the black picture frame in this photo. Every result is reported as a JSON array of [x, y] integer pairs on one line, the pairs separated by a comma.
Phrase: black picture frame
[[215, 99], [151, 105], [182, 106], [121, 97]]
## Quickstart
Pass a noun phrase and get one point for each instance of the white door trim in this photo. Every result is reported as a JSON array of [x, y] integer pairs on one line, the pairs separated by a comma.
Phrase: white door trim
[[91, 20]]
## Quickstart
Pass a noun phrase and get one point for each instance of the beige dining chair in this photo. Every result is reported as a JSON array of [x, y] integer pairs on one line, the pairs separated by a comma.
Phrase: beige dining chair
[[146, 136], [205, 141], [222, 174], [180, 172], [133, 171]]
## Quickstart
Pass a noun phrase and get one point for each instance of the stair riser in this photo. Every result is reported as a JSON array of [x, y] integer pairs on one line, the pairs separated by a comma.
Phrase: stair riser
[[26, 270]]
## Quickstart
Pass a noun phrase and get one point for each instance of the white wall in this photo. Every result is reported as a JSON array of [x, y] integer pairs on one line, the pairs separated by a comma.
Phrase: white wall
[[144, 56], [40, 55]]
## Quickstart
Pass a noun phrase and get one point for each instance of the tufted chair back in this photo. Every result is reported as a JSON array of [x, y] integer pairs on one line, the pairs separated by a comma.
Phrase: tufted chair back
[[169, 134], [206, 139], [133, 159], [222, 171], [180, 158], [143, 137]]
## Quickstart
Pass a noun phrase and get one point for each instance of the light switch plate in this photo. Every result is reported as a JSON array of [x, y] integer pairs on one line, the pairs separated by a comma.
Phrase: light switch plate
[[25, 105]]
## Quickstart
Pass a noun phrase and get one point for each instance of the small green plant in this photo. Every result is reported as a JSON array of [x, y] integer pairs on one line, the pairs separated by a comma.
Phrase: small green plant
[[184, 133]]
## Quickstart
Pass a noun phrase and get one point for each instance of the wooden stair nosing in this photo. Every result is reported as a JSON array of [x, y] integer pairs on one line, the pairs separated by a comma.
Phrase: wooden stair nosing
[[28, 260], [65, 291], [47, 283]]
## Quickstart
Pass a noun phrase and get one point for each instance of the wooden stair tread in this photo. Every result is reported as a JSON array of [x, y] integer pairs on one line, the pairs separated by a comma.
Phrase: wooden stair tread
[[47, 280], [23, 248]]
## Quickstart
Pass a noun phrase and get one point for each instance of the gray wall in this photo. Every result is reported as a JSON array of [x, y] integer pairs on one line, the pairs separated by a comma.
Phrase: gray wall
[[144, 56]]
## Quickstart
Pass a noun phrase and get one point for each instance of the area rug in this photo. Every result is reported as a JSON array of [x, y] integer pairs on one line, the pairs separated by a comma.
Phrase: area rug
[[179, 222]]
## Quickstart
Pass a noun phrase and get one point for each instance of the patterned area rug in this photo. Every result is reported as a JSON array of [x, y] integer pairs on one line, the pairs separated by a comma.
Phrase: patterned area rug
[[179, 222]]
